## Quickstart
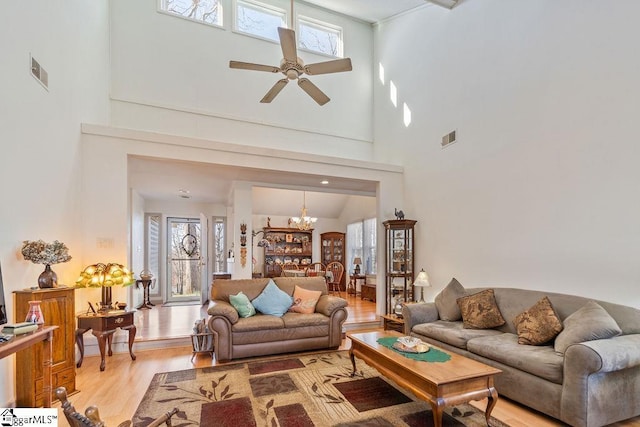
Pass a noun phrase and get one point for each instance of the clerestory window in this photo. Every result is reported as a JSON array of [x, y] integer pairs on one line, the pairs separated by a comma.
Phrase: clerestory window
[[259, 19], [203, 11], [319, 37]]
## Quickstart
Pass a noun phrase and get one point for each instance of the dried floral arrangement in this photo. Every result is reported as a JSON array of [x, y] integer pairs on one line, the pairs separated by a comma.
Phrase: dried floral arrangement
[[40, 252]]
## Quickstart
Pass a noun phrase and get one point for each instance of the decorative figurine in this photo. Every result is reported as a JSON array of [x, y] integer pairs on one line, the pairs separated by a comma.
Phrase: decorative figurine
[[398, 214]]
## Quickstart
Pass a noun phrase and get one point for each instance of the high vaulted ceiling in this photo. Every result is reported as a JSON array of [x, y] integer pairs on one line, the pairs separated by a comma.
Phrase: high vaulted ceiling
[[207, 184], [369, 10]]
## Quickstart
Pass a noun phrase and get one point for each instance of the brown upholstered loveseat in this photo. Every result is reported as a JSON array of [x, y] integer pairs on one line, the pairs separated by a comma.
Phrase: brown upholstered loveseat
[[236, 337]]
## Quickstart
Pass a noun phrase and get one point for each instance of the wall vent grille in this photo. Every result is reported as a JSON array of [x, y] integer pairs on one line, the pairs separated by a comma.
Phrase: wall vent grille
[[39, 73], [448, 139]]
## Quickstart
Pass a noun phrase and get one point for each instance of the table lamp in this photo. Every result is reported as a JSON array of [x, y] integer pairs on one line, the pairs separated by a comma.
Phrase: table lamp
[[105, 276], [422, 281], [357, 261]]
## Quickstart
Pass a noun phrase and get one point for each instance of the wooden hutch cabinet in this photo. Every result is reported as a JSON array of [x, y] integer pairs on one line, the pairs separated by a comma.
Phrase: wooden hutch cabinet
[[399, 261], [332, 247], [286, 245], [58, 308]]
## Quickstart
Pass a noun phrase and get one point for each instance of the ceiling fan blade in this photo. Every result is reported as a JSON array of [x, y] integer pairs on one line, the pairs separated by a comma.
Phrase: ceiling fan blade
[[275, 90], [313, 91], [335, 66], [288, 44], [252, 66]]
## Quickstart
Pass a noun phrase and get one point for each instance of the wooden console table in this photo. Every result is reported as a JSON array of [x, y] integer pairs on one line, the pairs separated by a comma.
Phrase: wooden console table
[[104, 325], [20, 342]]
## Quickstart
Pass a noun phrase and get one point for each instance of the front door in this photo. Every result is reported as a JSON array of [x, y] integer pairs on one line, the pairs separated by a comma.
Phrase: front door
[[184, 266]]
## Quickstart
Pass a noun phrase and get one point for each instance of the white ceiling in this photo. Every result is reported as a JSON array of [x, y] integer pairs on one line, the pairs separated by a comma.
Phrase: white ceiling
[[369, 10], [274, 194]]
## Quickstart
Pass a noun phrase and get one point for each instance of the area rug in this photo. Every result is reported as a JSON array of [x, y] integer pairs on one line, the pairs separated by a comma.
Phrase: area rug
[[294, 391]]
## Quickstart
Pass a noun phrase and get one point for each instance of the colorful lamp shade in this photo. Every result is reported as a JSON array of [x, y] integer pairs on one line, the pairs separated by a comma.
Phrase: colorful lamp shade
[[105, 276]]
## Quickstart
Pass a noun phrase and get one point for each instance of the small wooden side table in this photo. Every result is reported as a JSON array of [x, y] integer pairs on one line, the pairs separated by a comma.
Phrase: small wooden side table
[[393, 322], [103, 326], [352, 289], [146, 284]]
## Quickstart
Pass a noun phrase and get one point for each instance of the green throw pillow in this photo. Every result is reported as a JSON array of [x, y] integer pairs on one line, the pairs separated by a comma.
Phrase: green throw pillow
[[241, 303]]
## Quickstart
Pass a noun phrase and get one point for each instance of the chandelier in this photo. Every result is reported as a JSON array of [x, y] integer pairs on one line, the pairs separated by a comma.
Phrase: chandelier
[[304, 221]]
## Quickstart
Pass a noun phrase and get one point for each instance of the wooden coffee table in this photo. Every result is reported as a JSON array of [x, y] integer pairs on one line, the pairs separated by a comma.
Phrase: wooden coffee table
[[441, 384]]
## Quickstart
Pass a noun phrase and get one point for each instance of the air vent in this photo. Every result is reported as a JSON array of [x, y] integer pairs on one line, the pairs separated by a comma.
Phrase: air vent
[[448, 139], [39, 73]]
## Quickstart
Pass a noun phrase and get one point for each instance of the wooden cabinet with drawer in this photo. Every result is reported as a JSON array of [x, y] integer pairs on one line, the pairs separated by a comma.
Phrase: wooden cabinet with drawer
[[58, 308]]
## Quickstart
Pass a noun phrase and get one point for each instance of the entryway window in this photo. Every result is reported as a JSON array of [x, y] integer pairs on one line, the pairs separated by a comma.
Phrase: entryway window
[[361, 242], [184, 254]]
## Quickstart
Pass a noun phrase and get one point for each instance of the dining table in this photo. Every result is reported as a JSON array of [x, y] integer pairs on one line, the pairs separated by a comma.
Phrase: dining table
[[328, 275]]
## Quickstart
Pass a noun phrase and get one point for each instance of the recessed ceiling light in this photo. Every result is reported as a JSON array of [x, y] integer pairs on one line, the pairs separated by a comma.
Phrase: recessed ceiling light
[[184, 194], [324, 182]]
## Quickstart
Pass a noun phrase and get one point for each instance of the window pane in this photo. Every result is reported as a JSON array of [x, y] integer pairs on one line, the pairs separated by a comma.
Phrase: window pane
[[207, 11], [259, 20], [220, 259], [319, 37]]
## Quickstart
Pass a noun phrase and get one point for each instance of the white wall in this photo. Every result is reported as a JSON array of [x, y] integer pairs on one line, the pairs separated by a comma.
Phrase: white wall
[[172, 75], [540, 191], [40, 134]]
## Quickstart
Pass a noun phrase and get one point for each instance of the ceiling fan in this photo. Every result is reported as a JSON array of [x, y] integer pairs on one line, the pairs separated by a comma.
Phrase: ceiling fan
[[293, 68]]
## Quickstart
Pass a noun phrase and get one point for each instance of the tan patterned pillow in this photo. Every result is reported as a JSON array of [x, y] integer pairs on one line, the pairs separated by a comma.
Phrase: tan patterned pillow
[[480, 311], [539, 324]]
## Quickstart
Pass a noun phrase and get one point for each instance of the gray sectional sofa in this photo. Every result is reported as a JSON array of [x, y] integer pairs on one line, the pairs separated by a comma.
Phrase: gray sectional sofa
[[263, 334], [590, 383]]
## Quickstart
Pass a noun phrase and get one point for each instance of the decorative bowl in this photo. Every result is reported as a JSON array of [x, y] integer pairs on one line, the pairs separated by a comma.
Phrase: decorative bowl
[[409, 342]]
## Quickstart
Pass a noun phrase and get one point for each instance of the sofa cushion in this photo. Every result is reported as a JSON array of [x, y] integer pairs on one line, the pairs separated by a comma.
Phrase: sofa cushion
[[298, 320], [452, 333], [591, 322], [446, 301], [259, 322], [242, 304], [272, 300], [480, 311], [304, 300], [541, 361], [539, 324]]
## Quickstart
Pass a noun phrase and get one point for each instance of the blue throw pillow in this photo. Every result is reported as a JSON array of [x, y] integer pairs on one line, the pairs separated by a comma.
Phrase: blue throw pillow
[[242, 304], [272, 300]]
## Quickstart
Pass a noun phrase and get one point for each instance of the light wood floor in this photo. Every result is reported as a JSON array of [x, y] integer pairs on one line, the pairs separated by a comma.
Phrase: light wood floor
[[118, 390]]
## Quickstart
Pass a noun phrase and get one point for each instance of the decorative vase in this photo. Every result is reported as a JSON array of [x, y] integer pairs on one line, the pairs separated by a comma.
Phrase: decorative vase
[[35, 313], [48, 278]]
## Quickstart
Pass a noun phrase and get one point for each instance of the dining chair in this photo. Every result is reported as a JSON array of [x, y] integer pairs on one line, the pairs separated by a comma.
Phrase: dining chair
[[288, 266], [337, 270], [315, 269]]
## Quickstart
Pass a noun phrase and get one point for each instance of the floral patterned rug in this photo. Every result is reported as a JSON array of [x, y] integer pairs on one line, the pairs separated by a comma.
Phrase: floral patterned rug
[[292, 391]]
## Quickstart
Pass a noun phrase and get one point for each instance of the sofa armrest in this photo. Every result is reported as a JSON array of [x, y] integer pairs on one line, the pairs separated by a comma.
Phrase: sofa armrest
[[606, 355], [224, 309], [328, 304], [592, 372], [415, 314]]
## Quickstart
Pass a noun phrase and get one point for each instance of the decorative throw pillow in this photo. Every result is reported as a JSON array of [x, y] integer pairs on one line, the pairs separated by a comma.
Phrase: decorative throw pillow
[[480, 311], [304, 300], [272, 300], [446, 301], [242, 304], [539, 324], [590, 322]]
